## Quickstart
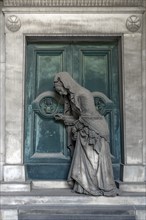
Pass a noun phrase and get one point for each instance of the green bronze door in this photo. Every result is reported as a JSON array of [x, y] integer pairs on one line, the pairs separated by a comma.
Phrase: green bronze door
[[95, 65]]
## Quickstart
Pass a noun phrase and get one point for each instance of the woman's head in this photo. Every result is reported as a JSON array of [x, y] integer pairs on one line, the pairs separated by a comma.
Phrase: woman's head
[[65, 84], [60, 88]]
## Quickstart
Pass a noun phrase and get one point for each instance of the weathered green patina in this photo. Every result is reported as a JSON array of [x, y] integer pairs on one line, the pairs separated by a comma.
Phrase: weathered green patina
[[95, 66]]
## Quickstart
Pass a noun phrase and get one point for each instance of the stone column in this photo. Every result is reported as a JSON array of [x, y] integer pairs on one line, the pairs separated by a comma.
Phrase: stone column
[[133, 169], [13, 169], [2, 93], [144, 85]]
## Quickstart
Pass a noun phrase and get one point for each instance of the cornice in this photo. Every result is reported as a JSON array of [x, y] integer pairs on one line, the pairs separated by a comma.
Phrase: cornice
[[73, 3]]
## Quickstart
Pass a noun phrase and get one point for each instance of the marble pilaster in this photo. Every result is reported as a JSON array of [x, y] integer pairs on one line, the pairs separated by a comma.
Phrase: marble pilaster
[[2, 93], [144, 84], [9, 214]]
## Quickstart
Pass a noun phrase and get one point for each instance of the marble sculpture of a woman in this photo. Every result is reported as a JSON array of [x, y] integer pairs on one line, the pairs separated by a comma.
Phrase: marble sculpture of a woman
[[91, 167]]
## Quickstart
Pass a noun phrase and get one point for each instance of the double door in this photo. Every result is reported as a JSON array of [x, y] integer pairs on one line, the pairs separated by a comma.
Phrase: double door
[[94, 65]]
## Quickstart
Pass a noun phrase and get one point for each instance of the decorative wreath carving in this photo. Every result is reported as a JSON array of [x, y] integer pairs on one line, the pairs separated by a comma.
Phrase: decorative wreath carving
[[47, 104], [13, 23], [133, 23]]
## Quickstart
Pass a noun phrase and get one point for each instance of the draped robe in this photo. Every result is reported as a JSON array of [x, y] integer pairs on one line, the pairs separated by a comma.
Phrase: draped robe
[[91, 167]]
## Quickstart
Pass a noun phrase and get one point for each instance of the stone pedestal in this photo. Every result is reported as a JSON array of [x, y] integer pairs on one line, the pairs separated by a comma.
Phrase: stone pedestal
[[132, 178]]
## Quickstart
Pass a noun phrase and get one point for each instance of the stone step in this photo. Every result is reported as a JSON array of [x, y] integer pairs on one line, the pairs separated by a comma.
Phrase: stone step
[[75, 217], [78, 213], [132, 187], [63, 204]]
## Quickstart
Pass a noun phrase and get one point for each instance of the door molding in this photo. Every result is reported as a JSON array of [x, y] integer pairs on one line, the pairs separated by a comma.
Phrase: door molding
[[44, 158]]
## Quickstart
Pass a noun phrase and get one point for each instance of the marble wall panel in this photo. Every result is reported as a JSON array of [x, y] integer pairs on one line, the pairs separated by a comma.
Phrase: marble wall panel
[[73, 23], [14, 173], [15, 187], [2, 93], [140, 214], [9, 214], [14, 98], [133, 173], [132, 98], [2, 118], [2, 39], [144, 84]]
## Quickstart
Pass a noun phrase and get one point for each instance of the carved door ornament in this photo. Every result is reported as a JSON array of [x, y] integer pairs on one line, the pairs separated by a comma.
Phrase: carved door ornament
[[47, 104], [13, 23], [133, 23]]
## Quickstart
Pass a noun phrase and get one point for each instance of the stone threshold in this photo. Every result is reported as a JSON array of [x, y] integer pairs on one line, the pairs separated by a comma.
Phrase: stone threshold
[[28, 186], [66, 197], [62, 192]]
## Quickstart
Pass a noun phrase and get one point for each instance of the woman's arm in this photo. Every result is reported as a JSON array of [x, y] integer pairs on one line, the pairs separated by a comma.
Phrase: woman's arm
[[67, 119]]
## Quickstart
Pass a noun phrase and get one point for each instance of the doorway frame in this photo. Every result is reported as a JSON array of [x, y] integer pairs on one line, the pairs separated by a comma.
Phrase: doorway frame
[[83, 39], [55, 23]]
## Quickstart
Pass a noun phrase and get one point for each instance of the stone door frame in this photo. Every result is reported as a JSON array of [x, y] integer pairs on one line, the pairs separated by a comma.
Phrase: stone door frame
[[74, 21]]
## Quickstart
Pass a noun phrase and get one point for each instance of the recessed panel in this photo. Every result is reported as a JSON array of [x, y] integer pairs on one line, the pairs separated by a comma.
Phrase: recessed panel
[[95, 71]]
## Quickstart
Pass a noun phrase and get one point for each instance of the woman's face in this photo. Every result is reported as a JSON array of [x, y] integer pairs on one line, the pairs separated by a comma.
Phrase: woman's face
[[60, 89]]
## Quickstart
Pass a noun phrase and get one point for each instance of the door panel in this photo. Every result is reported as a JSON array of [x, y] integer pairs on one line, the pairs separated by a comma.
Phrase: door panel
[[45, 140], [93, 65], [99, 71]]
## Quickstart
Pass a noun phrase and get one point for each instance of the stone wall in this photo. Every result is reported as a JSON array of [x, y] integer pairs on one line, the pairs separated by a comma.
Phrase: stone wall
[[72, 21]]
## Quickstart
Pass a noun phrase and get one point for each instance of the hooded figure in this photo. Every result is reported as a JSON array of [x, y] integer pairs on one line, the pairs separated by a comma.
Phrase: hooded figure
[[91, 167]]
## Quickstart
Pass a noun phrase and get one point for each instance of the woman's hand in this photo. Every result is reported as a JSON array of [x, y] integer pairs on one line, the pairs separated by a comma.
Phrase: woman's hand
[[59, 117], [68, 120]]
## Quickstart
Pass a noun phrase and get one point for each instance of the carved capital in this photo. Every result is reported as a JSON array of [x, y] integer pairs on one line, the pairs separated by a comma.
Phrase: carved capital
[[13, 23]]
